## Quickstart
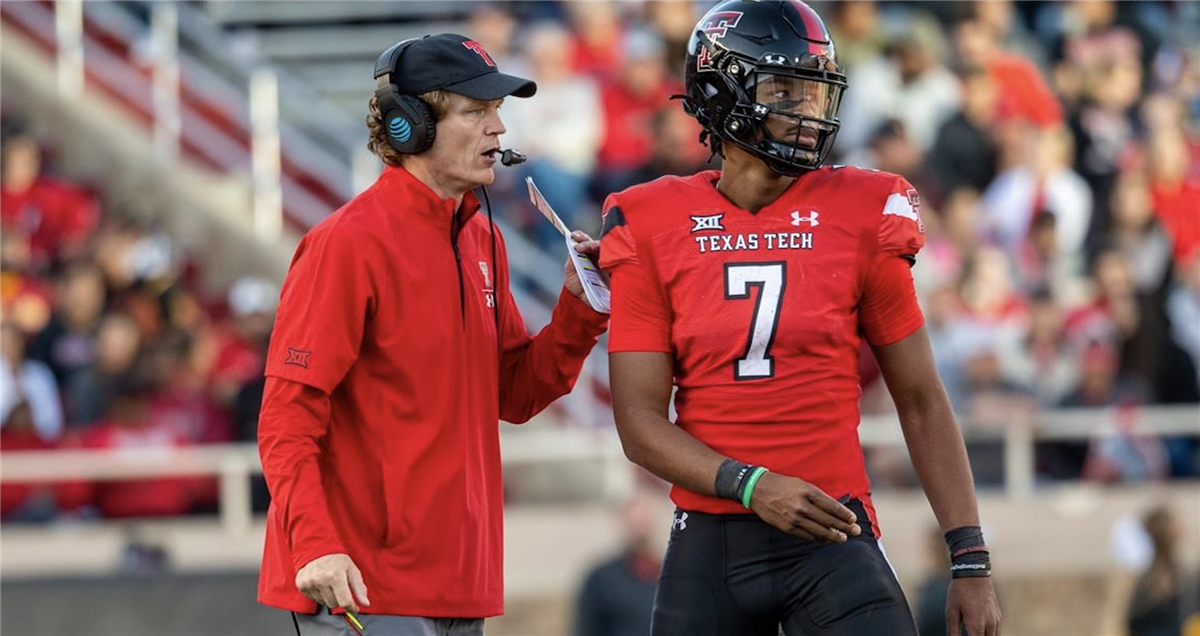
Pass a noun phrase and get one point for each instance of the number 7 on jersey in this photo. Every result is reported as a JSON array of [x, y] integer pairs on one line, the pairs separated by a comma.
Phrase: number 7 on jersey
[[771, 279]]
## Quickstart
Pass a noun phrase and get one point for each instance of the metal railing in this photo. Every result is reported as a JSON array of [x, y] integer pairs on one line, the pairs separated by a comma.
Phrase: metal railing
[[233, 464]]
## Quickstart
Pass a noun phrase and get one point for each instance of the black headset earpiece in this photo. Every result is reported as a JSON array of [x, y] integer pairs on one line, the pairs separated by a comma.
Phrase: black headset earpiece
[[409, 122]]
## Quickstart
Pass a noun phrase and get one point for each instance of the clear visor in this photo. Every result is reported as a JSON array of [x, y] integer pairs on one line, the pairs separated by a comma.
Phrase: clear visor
[[809, 98], [798, 107]]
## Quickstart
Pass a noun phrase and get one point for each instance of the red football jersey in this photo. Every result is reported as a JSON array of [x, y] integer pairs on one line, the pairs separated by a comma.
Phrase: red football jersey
[[764, 313]]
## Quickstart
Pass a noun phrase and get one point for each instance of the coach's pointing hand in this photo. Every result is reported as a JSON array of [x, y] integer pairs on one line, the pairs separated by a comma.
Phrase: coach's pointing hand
[[800, 508], [333, 581]]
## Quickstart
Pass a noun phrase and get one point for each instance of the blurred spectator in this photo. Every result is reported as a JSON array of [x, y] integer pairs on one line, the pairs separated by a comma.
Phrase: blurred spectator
[[1041, 264], [891, 149], [674, 146], [25, 298], [1137, 235], [617, 597], [1134, 320], [991, 399], [90, 392], [951, 238], [1156, 607], [599, 37], [640, 89], [930, 612], [1100, 382], [1183, 310], [254, 300], [138, 259], [21, 501], [1113, 313], [987, 310], [1104, 128], [178, 396], [1123, 454], [964, 149], [1001, 18], [1043, 182], [1022, 90], [560, 131], [493, 25], [1043, 362], [673, 21], [68, 342], [919, 90], [54, 218], [30, 382], [989, 294], [1126, 454], [856, 27], [130, 433], [241, 344], [1176, 197], [1083, 32]]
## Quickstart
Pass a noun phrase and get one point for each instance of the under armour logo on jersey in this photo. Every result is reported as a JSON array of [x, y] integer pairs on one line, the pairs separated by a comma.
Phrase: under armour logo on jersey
[[297, 357], [680, 522], [811, 219], [707, 223]]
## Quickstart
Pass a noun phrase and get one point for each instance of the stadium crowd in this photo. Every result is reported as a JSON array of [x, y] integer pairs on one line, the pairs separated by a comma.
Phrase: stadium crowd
[[1056, 146]]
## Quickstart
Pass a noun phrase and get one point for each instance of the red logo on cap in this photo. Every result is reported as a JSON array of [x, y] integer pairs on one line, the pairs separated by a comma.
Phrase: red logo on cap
[[478, 48]]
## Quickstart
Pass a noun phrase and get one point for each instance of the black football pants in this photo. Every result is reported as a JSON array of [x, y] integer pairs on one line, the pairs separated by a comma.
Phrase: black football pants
[[735, 575]]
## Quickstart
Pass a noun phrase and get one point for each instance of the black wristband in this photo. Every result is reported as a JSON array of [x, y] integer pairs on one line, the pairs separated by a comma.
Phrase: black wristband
[[969, 555], [729, 480]]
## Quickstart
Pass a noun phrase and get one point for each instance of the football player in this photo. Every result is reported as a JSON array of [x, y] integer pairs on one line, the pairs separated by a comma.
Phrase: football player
[[750, 289]]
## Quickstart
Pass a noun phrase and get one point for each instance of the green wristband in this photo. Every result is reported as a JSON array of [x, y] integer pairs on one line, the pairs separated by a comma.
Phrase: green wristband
[[750, 482]]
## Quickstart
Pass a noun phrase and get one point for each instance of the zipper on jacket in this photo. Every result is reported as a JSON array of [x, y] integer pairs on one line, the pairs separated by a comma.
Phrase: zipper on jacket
[[462, 292]]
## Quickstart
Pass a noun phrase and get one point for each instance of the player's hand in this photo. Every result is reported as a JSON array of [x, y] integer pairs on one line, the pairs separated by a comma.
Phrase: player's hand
[[333, 581], [971, 603], [800, 508], [587, 248]]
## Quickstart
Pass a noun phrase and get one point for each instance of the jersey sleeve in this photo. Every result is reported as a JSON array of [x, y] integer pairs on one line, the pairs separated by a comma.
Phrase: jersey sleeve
[[327, 299], [889, 311], [901, 232], [641, 318]]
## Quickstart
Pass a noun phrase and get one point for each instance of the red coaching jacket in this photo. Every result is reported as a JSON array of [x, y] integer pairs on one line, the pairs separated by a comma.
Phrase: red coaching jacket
[[389, 369]]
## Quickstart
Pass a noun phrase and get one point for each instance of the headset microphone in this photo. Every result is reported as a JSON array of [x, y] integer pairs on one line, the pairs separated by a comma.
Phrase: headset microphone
[[512, 157]]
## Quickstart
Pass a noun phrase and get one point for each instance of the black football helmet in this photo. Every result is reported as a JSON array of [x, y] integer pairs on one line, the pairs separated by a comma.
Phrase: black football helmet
[[764, 75]]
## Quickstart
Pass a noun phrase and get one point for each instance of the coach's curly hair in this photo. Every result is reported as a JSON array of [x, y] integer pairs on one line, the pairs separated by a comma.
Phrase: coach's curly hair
[[439, 103]]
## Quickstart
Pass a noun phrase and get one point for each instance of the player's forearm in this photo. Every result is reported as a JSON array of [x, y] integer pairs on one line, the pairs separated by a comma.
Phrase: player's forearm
[[641, 385], [661, 447], [940, 459]]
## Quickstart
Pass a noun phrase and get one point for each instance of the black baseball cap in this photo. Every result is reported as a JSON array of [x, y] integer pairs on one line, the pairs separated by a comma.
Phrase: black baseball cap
[[449, 62]]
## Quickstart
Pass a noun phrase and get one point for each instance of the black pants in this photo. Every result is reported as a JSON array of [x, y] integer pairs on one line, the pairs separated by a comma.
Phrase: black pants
[[735, 575]]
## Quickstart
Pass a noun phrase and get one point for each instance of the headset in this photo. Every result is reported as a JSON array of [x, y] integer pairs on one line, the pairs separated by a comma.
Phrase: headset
[[408, 121]]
